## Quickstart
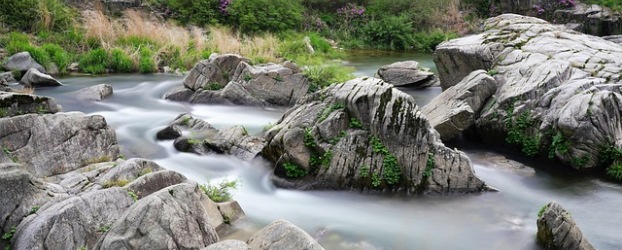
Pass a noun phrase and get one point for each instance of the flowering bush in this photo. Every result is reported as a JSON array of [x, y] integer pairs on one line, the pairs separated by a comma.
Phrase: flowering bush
[[548, 7]]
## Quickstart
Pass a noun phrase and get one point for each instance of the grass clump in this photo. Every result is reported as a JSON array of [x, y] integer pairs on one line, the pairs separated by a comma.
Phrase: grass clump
[[146, 63], [391, 173], [615, 171], [293, 171], [94, 61], [518, 132], [220, 192], [121, 62], [325, 75], [58, 56]]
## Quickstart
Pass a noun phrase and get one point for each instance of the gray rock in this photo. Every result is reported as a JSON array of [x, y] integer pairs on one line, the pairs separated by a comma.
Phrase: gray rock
[[593, 19], [237, 142], [168, 133], [59, 143], [231, 211], [22, 62], [73, 223], [128, 171], [6, 78], [455, 109], [34, 78], [282, 234], [73, 67], [364, 134], [94, 93], [218, 69], [558, 89], [228, 245], [407, 74], [12, 104], [616, 39], [153, 182], [557, 229], [177, 217], [497, 161]]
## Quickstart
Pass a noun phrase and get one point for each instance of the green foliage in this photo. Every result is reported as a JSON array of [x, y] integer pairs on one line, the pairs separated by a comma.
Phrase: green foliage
[[355, 123], [391, 172], [58, 55], [33, 15], [121, 61], [364, 171], [213, 86], [94, 61], [309, 140], [220, 192], [15, 42], [518, 132], [541, 212], [329, 110], [248, 77], [326, 158], [9, 235], [198, 12], [559, 145], [146, 63], [481, 7], [613, 4], [389, 32], [103, 228], [325, 75], [375, 180], [427, 41], [615, 171], [293, 171], [255, 16], [429, 166], [336, 140], [320, 44], [492, 72]]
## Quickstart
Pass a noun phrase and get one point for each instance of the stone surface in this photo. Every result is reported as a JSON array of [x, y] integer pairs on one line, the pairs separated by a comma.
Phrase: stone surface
[[594, 19], [12, 104], [231, 211], [559, 90], [177, 217], [34, 78], [58, 143], [153, 182], [228, 245], [282, 234], [455, 109], [94, 93], [230, 79], [616, 39], [364, 134], [407, 74], [6, 78], [22, 62], [557, 230], [73, 223]]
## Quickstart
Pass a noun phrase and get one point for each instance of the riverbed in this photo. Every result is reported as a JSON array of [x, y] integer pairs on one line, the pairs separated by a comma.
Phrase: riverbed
[[350, 219]]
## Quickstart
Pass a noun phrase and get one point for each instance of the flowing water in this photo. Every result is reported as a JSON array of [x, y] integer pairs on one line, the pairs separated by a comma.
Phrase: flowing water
[[352, 220]]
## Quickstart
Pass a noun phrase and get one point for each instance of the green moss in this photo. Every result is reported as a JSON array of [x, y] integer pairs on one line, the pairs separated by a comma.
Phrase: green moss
[[541, 212], [213, 86], [293, 171], [518, 132], [559, 145], [355, 123], [391, 172]]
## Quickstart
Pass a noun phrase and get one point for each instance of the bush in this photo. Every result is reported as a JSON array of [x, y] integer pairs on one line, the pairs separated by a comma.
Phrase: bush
[[391, 32], [94, 61], [427, 41], [146, 63], [120, 61], [220, 192], [325, 75], [32, 15], [58, 55], [199, 12], [255, 16]]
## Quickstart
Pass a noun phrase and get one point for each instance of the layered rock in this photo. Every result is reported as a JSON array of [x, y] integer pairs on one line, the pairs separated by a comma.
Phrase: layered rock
[[94, 93], [282, 234], [455, 109], [230, 79], [407, 74], [364, 134], [557, 229], [35, 78], [559, 90], [22, 62], [12, 104], [59, 143]]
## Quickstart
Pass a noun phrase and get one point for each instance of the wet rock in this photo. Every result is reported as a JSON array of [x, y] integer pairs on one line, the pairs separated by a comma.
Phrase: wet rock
[[94, 93], [22, 62], [455, 109], [559, 90], [557, 229], [364, 134], [283, 234], [230, 79], [228, 245], [237, 142], [73, 223], [168, 133], [34, 78], [6, 78], [58, 143], [12, 104], [177, 217], [407, 74]]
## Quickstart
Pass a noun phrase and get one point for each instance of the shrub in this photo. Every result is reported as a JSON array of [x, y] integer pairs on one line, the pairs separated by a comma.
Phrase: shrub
[[146, 63], [94, 61], [220, 192], [120, 61], [427, 41], [323, 76], [615, 171], [58, 55], [391, 32], [32, 15], [255, 16], [199, 12], [293, 171]]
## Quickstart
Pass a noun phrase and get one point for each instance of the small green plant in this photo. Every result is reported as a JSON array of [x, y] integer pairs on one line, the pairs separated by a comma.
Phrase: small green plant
[[356, 124], [58, 56], [185, 121], [326, 159], [103, 228], [145, 171], [278, 78], [615, 171], [193, 141], [336, 140], [115, 183], [364, 171], [293, 171], [213, 86], [518, 132], [391, 172], [324, 75], [3, 112], [492, 72], [329, 110], [269, 126], [375, 180], [220, 192], [541, 212], [248, 77], [559, 145], [429, 166], [34, 209], [94, 61], [121, 62], [133, 195], [40, 110], [100, 159], [9, 235], [309, 140]]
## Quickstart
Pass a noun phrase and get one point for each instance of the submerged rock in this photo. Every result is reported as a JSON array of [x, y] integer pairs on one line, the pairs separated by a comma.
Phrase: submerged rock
[[407, 74], [558, 90], [557, 230], [230, 79], [34, 78], [22, 62], [282, 234], [364, 134], [94, 93], [12, 104]]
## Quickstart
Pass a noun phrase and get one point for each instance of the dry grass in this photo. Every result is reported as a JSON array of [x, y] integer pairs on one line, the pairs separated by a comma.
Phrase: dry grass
[[28, 91], [451, 18], [260, 48]]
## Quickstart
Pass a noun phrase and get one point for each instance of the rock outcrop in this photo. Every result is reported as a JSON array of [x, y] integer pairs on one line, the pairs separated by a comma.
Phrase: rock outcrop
[[34, 78], [94, 93], [407, 74], [283, 234], [558, 90], [364, 134], [22, 62], [616, 39], [58, 143], [557, 229], [12, 104], [230, 79], [591, 19], [6, 78], [455, 109]]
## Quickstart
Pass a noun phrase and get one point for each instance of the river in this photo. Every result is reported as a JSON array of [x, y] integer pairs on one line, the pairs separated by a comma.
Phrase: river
[[353, 220]]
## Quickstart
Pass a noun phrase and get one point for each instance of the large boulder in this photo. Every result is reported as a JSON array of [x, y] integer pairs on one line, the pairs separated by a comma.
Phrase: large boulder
[[364, 134], [12, 103], [22, 62], [455, 109], [34, 78], [407, 74], [58, 143], [73, 223], [282, 234], [558, 90], [230, 79], [94, 93], [557, 229], [177, 217]]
